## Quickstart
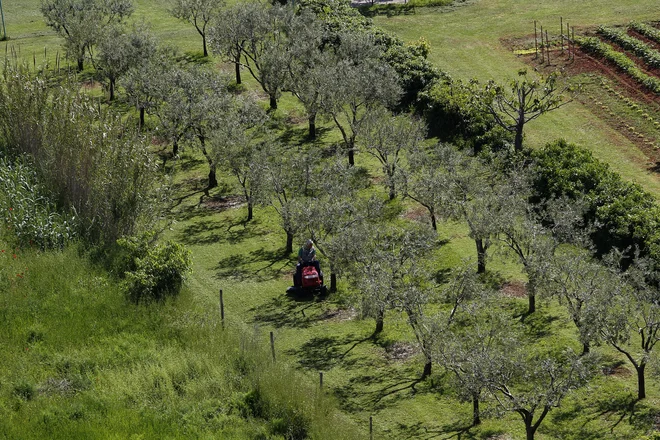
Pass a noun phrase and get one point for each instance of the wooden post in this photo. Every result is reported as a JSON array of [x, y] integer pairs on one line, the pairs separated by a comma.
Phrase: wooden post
[[321, 379], [547, 43], [542, 46], [573, 39], [272, 345], [536, 43], [561, 24], [222, 310], [371, 428]]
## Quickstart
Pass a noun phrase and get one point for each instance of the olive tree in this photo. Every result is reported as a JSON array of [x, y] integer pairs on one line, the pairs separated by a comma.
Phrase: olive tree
[[357, 83], [118, 50], [82, 22], [629, 319], [387, 138], [237, 143], [287, 175], [229, 34], [522, 101], [533, 386], [199, 13]]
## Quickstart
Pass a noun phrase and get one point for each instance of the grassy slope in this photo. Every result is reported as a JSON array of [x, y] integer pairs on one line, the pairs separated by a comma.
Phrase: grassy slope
[[466, 42]]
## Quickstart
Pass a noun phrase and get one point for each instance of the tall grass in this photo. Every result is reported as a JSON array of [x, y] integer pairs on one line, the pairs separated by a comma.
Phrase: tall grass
[[81, 361]]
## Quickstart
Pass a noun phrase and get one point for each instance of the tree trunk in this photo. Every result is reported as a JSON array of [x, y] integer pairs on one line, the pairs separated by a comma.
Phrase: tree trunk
[[312, 126], [518, 142], [289, 242], [641, 381], [175, 148], [237, 70], [476, 415], [585, 348], [112, 90], [532, 303], [80, 64], [273, 102], [213, 181], [250, 211], [427, 369], [333, 282], [351, 156], [481, 255], [141, 117], [392, 191], [206, 52], [380, 322], [530, 429], [434, 224]]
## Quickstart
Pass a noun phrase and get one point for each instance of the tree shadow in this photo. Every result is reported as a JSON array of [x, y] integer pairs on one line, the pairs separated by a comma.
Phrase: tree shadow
[[210, 230], [242, 266], [322, 353], [537, 324], [283, 312], [300, 136], [456, 430]]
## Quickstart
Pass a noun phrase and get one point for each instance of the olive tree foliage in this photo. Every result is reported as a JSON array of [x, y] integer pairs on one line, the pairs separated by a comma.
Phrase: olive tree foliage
[[423, 181], [307, 65], [476, 351], [194, 103], [522, 101], [628, 319], [199, 13], [230, 32], [287, 176], [119, 50], [468, 191], [533, 386], [146, 82], [82, 22], [357, 83], [389, 265], [533, 235], [237, 143], [387, 138], [580, 283], [333, 210]]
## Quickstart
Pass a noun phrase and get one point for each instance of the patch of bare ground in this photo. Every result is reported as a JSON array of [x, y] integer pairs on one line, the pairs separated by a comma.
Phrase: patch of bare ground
[[417, 214], [222, 203], [617, 371], [400, 351], [339, 315], [514, 289]]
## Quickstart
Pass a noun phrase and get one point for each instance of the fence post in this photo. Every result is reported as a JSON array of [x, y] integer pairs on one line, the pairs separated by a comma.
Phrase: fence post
[[371, 428], [542, 46], [222, 310], [547, 43], [272, 345], [321, 379], [561, 24], [536, 43]]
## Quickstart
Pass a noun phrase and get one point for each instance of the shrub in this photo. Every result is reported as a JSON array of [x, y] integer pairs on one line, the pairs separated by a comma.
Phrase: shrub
[[624, 216], [153, 270]]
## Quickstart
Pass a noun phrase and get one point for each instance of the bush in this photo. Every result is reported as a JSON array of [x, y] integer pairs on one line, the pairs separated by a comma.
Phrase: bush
[[451, 115], [624, 216], [153, 271]]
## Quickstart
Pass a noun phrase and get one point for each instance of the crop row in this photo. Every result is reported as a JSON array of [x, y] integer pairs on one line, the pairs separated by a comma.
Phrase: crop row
[[650, 56], [594, 46], [648, 31]]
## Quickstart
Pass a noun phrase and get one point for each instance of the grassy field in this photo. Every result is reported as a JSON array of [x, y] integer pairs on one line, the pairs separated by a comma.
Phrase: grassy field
[[168, 342]]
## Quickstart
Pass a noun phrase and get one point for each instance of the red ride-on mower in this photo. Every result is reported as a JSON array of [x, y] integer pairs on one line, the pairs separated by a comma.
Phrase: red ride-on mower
[[307, 280]]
